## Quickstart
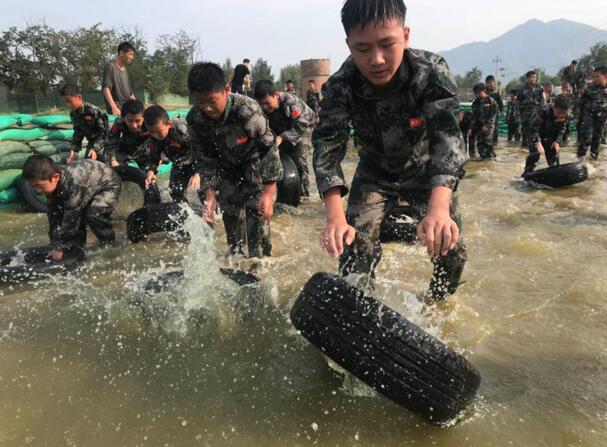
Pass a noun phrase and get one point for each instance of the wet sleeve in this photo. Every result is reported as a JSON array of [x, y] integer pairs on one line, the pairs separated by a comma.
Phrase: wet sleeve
[[98, 136], [78, 134], [112, 144], [66, 229], [207, 159], [446, 143], [258, 129], [559, 131], [330, 138], [152, 158], [299, 122]]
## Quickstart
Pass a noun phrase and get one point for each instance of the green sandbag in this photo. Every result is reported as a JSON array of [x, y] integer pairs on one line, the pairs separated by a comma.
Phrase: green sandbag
[[9, 178], [51, 120], [181, 113], [13, 161], [47, 150], [23, 119], [165, 168], [13, 147], [23, 134], [61, 146], [59, 134], [8, 195], [7, 121]]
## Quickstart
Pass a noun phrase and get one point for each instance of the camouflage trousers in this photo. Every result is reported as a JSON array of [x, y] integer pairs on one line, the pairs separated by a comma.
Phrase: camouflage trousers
[[528, 119], [372, 198], [514, 131], [590, 133], [484, 143], [552, 158], [299, 155], [238, 199], [179, 181]]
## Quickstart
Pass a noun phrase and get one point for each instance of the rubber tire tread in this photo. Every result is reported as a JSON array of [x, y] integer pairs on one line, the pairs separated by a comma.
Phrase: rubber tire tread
[[37, 266], [289, 188], [559, 176]]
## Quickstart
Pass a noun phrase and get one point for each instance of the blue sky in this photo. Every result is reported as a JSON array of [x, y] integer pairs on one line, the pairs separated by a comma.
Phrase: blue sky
[[285, 32]]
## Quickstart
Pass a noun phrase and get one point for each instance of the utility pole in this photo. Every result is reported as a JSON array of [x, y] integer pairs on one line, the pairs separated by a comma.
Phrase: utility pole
[[497, 61]]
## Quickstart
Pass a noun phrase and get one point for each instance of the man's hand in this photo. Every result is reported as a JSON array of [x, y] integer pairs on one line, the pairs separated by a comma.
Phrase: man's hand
[[337, 231], [540, 148], [279, 140], [557, 147], [56, 255], [114, 163], [469, 133], [437, 231], [151, 178], [71, 156], [266, 202], [92, 154], [210, 206], [195, 182], [115, 111]]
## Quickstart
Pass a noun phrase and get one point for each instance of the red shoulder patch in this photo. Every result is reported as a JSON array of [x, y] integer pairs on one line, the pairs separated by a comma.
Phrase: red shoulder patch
[[241, 141], [115, 130], [416, 122], [295, 113]]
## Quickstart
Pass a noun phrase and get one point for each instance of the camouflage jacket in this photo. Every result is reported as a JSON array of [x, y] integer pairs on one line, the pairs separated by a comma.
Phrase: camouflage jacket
[[292, 118], [412, 133], [313, 100], [125, 145], [484, 111], [498, 99], [89, 122], [547, 127], [513, 114], [594, 100], [80, 182], [530, 99], [176, 147], [570, 75], [240, 140]]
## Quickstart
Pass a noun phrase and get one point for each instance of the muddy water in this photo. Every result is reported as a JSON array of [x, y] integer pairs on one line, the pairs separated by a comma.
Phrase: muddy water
[[92, 360]]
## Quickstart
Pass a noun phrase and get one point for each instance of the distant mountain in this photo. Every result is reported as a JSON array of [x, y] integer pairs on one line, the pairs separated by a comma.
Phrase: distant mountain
[[550, 45]]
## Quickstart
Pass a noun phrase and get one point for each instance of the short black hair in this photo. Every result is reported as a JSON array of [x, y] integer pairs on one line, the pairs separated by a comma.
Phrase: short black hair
[[132, 107], [126, 47], [206, 77], [39, 167], [565, 83], [562, 102], [155, 114], [530, 73], [70, 90], [514, 92], [479, 87], [602, 69], [362, 12], [574, 62], [490, 78], [264, 88], [246, 61], [289, 81]]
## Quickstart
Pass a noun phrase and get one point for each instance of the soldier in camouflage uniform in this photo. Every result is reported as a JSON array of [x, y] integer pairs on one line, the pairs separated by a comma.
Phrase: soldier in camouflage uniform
[[89, 122], [238, 159], [484, 110], [546, 134], [292, 121], [497, 97], [128, 138], [513, 117], [313, 97], [79, 194], [170, 142], [572, 76], [531, 101], [593, 110], [403, 107]]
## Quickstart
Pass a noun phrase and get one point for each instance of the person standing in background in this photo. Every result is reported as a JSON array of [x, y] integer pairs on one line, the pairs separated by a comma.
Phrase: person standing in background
[[241, 75], [116, 87]]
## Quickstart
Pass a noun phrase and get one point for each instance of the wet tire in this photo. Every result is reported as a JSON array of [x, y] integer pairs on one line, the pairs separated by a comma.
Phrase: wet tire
[[383, 349], [289, 188], [29, 198], [559, 176], [37, 265], [393, 229], [151, 195], [162, 217]]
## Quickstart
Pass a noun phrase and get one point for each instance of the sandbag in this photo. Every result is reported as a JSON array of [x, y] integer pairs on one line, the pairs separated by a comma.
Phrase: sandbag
[[46, 150], [9, 195], [51, 120], [59, 134], [29, 198], [23, 119], [9, 178], [13, 147], [23, 134], [61, 145], [13, 161], [7, 121]]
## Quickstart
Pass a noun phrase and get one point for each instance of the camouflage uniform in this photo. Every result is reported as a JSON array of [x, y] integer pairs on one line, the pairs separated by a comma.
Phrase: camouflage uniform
[[572, 76], [313, 100], [92, 123], [531, 101], [237, 156], [593, 116], [410, 143], [484, 111], [500, 105], [513, 119], [465, 125], [293, 120], [176, 148], [126, 146], [87, 193], [548, 130]]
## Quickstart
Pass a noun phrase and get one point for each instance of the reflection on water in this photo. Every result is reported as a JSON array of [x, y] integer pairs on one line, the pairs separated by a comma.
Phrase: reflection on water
[[95, 359]]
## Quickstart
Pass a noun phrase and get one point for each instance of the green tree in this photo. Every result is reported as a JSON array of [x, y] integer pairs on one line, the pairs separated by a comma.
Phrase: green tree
[[596, 58], [262, 70], [292, 72], [228, 69], [471, 78]]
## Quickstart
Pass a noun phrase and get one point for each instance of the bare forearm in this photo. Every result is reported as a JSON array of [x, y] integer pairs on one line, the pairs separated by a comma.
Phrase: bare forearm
[[440, 199], [334, 205]]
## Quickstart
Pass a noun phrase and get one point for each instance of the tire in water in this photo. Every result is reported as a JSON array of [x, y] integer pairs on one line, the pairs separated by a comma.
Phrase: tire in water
[[289, 188], [37, 265], [162, 217], [559, 176]]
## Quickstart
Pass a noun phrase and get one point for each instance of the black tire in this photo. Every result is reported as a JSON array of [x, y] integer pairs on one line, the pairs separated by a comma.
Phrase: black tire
[[164, 280], [29, 198], [289, 188], [559, 176], [157, 218], [37, 265], [392, 230], [151, 196], [384, 349]]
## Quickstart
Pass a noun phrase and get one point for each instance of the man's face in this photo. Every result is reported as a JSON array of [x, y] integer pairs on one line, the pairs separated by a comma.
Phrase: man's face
[[599, 78], [269, 103], [134, 122], [127, 57], [560, 115], [378, 49], [160, 130], [290, 87], [74, 102], [566, 88], [46, 187], [312, 86], [212, 104], [491, 84], [512, 96], [480, 95], [549, 88], [532, 80]]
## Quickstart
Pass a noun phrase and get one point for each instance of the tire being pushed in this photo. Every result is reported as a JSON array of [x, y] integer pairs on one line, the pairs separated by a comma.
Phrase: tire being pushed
[[17, 267], [383, 349], [559, 176], [162, 217], [151, 195], [289, 188], [29, 197]]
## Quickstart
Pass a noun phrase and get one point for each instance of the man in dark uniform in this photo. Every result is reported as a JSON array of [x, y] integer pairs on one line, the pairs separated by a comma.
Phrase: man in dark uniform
[[593, 109], [484, 110], [494, 93], [513, 117], [313, 96], [531, 101], [128, 138], [241, 74]]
